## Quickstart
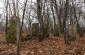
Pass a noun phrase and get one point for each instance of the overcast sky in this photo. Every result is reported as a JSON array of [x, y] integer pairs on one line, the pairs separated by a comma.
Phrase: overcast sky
[[2, 4], [21, 1]]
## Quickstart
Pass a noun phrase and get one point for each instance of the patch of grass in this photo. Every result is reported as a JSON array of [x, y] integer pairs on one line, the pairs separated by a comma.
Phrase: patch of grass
[[71, 37], [25, 38]]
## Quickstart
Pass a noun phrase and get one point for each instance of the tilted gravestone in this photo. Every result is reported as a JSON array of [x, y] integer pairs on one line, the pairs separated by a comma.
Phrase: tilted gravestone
[[12, 29]]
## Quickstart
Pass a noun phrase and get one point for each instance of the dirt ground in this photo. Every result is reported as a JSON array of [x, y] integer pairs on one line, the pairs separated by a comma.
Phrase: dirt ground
[[50, 46]]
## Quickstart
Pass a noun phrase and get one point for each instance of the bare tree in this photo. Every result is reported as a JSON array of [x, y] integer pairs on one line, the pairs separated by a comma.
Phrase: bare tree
[[64, 22], [23, 16], [6, 15], [13, 1]]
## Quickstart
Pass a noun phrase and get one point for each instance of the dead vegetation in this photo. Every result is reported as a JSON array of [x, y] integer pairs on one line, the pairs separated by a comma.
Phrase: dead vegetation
[[50, 46]]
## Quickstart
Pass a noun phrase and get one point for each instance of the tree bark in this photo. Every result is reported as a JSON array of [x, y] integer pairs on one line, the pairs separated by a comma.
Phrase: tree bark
[[64, 22], [25, 4], [6, 17]]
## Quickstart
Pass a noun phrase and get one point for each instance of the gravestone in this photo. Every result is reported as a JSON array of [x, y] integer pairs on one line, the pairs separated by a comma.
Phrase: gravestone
[[12, 29], [35, 29], [72, 31]]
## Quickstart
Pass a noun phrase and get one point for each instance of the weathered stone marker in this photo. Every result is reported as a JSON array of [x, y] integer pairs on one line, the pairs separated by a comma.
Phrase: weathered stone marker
[[35, 29], [13, 29], [72, 31]]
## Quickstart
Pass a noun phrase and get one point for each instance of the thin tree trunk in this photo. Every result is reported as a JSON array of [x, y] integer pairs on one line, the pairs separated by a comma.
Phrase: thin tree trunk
[[6, 17], [18, 36], [64, 22], [25, 4], [39, 11], [13, 1], [58, 15]]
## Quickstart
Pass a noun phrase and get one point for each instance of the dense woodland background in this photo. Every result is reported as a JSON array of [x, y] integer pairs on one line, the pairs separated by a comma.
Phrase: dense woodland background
[[42, 27]]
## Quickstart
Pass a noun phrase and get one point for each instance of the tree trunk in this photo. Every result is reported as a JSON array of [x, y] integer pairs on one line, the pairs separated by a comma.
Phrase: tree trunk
[[39, 11], [18, 36], [64, 22], [6, 17], [21, 29]]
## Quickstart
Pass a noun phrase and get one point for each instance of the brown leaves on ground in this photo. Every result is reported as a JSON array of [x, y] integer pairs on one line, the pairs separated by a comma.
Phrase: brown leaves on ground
[[50, 46]]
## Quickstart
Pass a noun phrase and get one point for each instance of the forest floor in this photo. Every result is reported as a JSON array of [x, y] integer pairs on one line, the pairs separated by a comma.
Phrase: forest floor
[[50, 46]]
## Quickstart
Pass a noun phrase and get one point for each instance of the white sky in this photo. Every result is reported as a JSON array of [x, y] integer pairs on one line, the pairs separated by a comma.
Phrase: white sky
[[21, 1], [1, 6]]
